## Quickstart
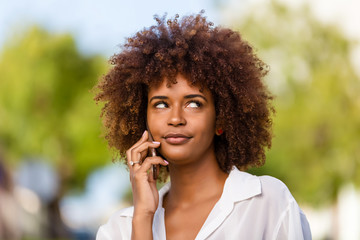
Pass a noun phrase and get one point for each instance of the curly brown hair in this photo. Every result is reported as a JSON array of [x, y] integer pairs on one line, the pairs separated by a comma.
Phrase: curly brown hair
[[210, 57]]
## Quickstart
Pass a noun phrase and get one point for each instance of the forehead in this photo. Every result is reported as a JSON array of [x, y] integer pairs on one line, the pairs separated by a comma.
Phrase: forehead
[[182, 87]]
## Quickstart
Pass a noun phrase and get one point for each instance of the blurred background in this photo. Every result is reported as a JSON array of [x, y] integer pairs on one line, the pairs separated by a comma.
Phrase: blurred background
[[57, 178]]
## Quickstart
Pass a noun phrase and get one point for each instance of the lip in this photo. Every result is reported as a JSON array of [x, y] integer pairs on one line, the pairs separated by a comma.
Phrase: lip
[[176, 138]]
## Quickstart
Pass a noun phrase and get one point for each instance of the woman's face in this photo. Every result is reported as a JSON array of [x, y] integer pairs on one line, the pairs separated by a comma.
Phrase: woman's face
[[182, 119]]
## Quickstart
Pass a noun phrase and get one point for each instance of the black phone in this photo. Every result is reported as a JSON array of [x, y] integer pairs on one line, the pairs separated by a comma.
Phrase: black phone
[[152, 153]]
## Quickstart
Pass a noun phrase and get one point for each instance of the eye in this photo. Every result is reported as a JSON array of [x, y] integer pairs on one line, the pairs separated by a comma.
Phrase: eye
[[194, 104], [160, 105]]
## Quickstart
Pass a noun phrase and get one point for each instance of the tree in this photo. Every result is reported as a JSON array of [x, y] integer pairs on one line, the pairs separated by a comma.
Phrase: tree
[[316, 148], [46, 107]]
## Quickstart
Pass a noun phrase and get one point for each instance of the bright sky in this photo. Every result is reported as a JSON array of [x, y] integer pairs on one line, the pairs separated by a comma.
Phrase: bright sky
[[100, 26]]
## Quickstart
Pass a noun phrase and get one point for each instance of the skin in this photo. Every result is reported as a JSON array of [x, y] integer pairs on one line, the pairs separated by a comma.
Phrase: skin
[[181, 119]]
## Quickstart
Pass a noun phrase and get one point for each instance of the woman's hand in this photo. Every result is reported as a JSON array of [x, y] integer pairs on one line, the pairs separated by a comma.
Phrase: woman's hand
[[145, 194]]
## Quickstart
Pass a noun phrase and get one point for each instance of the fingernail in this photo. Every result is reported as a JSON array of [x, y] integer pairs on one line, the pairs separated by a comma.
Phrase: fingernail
[[166, 161], [144, 133], [156, 142]]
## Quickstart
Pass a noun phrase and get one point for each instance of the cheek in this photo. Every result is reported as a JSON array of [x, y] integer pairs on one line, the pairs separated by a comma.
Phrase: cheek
[[155, 126], [211, 120], [207, 126]]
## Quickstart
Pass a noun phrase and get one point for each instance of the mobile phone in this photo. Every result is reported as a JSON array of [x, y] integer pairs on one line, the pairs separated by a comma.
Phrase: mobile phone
[[152, 153]]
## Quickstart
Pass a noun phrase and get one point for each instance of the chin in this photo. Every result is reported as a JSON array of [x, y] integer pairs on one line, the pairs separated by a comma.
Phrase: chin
[[175, 155]]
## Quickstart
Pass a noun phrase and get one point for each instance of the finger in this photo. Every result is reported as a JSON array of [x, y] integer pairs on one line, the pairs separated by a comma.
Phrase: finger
[[144, 147], [140, 152], [149, 161], [140, 171], [143, 139]]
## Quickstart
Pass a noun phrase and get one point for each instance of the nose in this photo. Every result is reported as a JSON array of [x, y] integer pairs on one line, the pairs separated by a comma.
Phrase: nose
[[176, 116]]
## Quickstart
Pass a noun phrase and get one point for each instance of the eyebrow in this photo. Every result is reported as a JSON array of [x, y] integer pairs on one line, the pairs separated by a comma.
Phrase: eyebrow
[[195, 96], [186, 97]]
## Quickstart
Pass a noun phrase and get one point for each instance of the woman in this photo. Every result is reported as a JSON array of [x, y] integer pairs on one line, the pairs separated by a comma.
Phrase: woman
[[198, 90]]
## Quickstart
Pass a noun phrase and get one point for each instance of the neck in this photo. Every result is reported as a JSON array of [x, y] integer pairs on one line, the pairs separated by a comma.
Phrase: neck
[[197, 181]]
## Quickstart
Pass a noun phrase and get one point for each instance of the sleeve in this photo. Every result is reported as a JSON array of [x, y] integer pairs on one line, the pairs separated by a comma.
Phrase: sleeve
[[293, 224], [117, 228], [102, 234]]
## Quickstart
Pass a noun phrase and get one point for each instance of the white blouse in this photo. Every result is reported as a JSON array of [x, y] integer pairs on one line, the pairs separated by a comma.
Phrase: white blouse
[[250, 207]]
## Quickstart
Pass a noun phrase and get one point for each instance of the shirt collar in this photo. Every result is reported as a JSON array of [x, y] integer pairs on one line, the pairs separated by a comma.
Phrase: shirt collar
[[239, 186]]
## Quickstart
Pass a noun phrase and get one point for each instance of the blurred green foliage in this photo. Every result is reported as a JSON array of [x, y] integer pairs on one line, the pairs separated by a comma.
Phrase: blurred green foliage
[[46, 107], [316, 148], [47, 111]]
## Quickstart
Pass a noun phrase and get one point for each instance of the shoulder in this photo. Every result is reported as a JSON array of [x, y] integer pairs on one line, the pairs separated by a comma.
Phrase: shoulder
[[274, 189], [243, 185], [267, 193], [118, 226], [291, 221], [265, 201], [121, 214], [274, 196]]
